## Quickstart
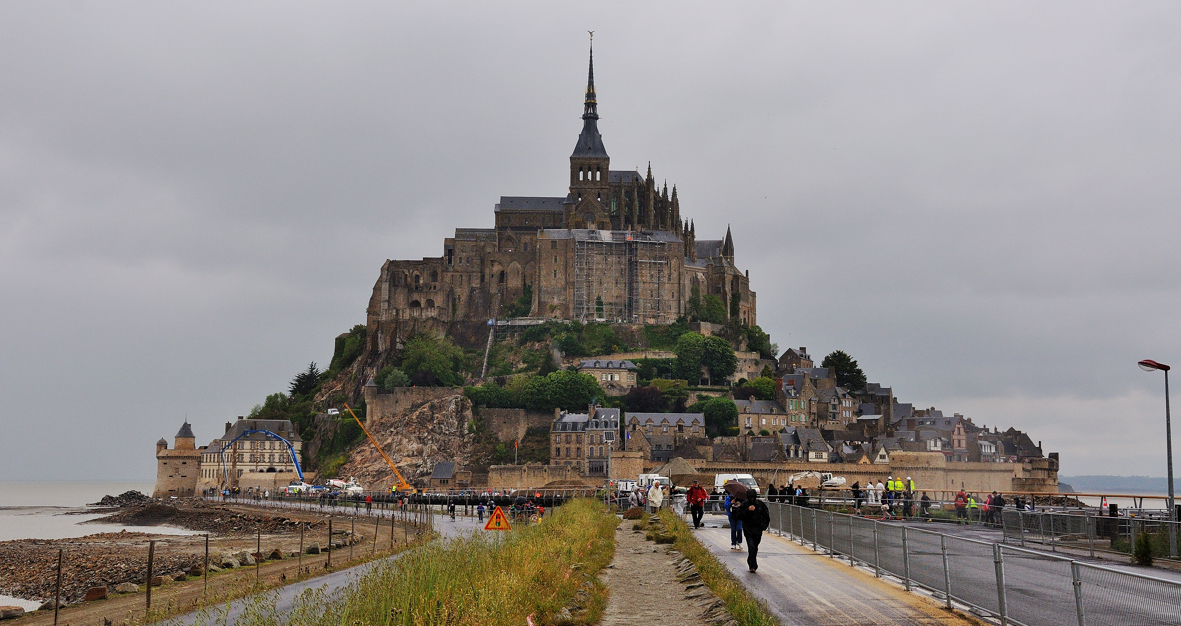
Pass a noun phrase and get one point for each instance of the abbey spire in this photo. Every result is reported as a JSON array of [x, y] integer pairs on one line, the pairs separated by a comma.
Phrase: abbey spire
[[590, 143]]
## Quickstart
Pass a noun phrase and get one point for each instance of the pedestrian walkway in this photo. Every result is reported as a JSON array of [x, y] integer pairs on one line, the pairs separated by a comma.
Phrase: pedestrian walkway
[[805, 587]]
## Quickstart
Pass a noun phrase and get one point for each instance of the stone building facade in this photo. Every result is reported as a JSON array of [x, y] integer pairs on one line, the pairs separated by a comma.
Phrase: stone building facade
[[615, 248]]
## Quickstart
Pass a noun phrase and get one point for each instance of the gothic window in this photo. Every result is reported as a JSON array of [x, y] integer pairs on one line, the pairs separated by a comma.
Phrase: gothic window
[[417, 279], [553, 245], [500, 277], [434, 276]]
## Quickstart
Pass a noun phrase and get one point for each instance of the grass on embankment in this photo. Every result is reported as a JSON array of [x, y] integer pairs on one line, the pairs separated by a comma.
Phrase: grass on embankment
[[743, 606], [533, 571]]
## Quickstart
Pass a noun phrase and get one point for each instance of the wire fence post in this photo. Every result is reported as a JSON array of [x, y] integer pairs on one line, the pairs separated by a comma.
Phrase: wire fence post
[[814, 530], [905, 560], [1077, 580], [781, 508], [1053, 536], [1021, 527], [258, 557], [877, 569], [206, 570], [352, 536], [300, 558], [329, 565], [151, 555], [998, 561], [57, 590], [832, 532], [851, 542], [376, 530], [946, 569], [1091, 534]]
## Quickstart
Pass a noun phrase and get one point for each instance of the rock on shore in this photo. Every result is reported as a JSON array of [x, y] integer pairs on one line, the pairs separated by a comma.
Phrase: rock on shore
[[127, 498]]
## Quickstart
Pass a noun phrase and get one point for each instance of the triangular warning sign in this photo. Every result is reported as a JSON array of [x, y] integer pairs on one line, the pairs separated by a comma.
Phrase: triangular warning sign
[[498, 521]]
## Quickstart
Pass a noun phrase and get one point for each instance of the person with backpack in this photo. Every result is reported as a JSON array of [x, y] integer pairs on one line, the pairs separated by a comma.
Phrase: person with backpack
[[480, 511], [961, 506], [755, 519], [696, 498], [731, 503]]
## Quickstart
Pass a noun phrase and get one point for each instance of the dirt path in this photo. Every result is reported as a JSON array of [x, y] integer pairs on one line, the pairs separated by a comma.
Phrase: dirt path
[[645, 589], [189, 595]]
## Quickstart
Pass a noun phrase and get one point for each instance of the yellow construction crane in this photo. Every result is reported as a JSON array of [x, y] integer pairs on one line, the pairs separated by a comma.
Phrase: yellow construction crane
[[402, 484]]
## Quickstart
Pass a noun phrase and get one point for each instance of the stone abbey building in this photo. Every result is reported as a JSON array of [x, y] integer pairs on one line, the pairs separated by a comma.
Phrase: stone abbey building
[[614, 248]]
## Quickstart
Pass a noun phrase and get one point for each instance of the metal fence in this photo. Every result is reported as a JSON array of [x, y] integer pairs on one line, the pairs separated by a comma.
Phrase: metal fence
[[1090, 532], [1016, 585]]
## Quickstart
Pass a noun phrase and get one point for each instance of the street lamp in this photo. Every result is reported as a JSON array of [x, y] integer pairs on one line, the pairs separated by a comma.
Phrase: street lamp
[[1150, 366]]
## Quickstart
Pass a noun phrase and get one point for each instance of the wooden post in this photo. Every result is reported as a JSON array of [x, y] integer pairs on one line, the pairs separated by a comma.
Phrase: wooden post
[[206, 570], [329, 566], [352, 536], [376, 529], [57, 591], [258, 557], [301, 527], [151, 555]]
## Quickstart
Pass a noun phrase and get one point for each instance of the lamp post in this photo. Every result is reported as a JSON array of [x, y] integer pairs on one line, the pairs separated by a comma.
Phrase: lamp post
[[1149, 366]]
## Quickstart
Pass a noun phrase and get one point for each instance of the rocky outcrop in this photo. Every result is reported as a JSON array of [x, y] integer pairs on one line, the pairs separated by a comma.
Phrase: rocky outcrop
[[415, 439]]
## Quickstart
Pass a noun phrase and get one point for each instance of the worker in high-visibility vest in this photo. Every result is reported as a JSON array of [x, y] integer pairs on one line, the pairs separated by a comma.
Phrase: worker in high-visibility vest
[[910, 485], [973, 508], [890, 488]]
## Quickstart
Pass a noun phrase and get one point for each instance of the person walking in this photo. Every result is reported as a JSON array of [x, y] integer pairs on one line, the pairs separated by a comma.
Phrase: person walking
[[368, 505], [731, 503], [881, 493], [871, 494], [755, 519], [655, 497], [857, 498], [772, 493], [480, 511], [696, 498]]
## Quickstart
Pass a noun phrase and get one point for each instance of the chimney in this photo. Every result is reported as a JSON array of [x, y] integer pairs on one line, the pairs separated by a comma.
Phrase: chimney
[[239, 417], [803, 350], [227, 427], [557, 413]]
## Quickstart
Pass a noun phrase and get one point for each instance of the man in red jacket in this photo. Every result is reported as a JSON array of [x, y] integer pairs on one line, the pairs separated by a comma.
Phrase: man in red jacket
[[696, 499]]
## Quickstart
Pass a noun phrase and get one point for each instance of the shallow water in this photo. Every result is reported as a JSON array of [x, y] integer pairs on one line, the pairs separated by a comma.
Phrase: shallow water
[[53, 510]]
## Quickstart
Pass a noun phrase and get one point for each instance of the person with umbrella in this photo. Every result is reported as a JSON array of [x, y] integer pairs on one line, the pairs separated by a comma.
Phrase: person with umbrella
[[755, 518]]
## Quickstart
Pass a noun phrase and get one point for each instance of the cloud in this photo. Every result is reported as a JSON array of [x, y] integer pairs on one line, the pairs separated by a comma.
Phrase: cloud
[[978, 203]]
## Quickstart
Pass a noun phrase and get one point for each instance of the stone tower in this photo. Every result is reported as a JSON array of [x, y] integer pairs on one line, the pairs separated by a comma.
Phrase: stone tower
[[177, 470]]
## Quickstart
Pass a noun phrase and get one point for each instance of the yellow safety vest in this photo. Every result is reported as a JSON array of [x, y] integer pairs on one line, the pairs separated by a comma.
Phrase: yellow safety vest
[[889, 485], [911, 486]]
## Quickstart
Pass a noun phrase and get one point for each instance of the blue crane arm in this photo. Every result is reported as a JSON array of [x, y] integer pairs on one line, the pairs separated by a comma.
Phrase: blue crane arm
[[290, 450]]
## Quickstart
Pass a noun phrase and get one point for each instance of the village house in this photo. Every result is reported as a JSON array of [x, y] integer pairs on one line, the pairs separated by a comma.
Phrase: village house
[[615, 377]]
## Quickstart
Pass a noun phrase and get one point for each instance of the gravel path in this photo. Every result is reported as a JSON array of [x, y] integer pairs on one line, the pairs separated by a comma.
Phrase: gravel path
[[645, 588]]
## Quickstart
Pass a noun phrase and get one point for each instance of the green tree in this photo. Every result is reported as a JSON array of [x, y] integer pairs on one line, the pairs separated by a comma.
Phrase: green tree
[[571, 391], [721, 416], [719, 358], [764, 388], [432, 361], [713, 310], [390, 378], [689, 351], [759, 341], [490, 395], [305, 382], [849, 375]]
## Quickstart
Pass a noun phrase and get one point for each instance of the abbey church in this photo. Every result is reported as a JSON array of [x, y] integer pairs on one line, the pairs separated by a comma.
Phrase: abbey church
[[614, 248]]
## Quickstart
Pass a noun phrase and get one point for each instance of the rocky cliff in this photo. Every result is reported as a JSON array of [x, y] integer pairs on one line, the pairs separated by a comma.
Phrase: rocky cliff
[[415, 437]]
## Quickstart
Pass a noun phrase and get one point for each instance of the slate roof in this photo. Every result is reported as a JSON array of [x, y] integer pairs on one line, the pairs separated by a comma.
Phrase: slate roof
[[768, 407], [578, 422], [590, 142], [709, 248], [443, 470], [283, 428], [606, 364], [814, 372], [186, 431], [624, 176], [763, 449], [526, 203], [687, 419]]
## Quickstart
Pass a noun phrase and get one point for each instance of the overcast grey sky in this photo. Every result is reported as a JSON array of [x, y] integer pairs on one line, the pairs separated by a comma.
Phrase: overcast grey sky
[[977, 201]]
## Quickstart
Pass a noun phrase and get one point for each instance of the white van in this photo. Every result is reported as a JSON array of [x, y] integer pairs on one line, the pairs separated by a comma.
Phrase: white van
[[645, 480], [746, 479]]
